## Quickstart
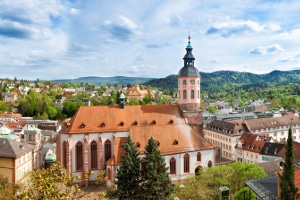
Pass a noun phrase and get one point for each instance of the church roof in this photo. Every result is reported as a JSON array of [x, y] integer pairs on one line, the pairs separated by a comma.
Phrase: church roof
[[113, 118], [171, 139], [188, 71]]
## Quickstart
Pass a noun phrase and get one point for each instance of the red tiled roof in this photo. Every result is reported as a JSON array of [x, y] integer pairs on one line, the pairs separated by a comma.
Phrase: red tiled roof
[[172, 139], [113, 118]]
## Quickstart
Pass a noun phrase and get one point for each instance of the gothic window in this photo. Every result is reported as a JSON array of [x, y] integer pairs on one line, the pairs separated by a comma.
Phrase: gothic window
[[94, 160], [186, 163], [192, 94], [79, 156], [184, 94], [184, 82], [172, 166], [65, 154], [209, 163], [198, 156], [107, 150]]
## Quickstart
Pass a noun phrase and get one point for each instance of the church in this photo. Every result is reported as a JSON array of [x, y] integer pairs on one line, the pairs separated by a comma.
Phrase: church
[[92, 140]]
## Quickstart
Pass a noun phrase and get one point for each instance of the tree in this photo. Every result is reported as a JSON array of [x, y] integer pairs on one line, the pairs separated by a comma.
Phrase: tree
[[212, 110], [244, 193], [51, 183], [128, 174], [288, 189], [156, 183], [7, 190], [206, 184]]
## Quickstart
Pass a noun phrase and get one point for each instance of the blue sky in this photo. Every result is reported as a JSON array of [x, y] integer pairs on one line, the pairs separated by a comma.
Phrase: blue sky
[[59, 39]]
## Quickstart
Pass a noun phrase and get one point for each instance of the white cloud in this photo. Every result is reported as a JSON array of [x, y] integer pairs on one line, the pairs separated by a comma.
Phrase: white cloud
[[227, 29], [266, 49]]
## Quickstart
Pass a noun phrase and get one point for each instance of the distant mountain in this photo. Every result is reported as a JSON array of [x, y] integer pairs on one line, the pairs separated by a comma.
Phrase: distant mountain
[[210, 82], [228, 80], [123, 80]]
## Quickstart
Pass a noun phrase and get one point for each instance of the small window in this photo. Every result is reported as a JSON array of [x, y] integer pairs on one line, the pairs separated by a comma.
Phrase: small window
[[184, 94], [121, 124], [198, 156], [153, 122], [138, 144], [175, 142], [102, 124], [184, 82], [135, 123], [192, 94], [171, 121]]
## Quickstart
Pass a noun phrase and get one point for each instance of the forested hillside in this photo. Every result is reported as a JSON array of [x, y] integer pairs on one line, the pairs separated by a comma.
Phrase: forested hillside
[[232, 80]]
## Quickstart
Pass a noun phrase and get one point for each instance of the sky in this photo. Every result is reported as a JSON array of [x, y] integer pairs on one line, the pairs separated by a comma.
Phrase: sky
[[68, 39]]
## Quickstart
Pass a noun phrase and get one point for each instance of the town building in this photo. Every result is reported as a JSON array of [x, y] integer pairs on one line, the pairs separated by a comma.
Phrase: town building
[[136, 93], [92, 139], [226, 134], [15, 159]]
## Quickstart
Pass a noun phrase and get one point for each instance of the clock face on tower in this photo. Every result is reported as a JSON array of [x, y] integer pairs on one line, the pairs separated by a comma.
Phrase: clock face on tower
[[192, 81]]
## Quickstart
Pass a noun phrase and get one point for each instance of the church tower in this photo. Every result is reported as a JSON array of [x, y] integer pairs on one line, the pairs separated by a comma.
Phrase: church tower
[[189, 83]]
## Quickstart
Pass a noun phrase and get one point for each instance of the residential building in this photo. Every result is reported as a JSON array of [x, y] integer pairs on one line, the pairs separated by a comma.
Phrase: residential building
[[10, 97], [135, 93], [15, 159], [224, 135]]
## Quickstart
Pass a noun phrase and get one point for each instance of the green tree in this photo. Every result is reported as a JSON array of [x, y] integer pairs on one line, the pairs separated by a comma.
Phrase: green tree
[[7, 190], [212, 110], [70, 107], [244, 194], [288, 189], [3, 107], [128, 175], [156, 183], [206, 184], [51, 183]]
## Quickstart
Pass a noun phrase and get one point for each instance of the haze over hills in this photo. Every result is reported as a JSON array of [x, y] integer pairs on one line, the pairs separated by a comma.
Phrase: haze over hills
[[210, 82]]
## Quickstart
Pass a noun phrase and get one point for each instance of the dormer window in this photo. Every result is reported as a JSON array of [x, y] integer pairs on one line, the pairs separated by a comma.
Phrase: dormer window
[[138, 144], [135, 123], [158, 143], [171, 121], [121, 124], [175, 142], [153, 122], [82, 125], [102, 125]]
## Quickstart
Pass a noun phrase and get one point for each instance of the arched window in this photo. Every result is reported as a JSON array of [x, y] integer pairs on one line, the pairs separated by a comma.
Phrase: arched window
[[198, 156], [172, 166], [209, 163], [107, 150], [184, 82], [79, 156], [184, 94], [94, 160], [186, 163], [192, 94], [64, 156]]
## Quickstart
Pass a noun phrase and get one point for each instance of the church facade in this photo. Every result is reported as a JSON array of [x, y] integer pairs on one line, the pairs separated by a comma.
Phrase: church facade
[[92, 140]]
